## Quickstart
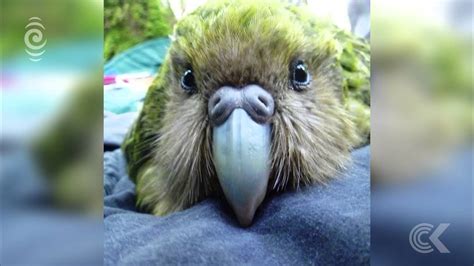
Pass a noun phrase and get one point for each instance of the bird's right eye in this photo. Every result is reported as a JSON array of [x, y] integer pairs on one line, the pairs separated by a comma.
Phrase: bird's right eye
[[188, 83], [300, 76]]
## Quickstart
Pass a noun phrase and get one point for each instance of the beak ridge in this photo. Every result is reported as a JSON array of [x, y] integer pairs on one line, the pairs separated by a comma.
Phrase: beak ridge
[[241, 151]]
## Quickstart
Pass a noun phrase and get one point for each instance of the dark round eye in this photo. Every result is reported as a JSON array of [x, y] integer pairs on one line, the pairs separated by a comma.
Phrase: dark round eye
[[187, 81], [300, 76]]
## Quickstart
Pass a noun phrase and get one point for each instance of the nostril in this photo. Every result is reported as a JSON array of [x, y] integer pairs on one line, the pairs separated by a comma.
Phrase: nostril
[[263, 100], [257, 102], [222, 103], [216, 108], [217, 101]]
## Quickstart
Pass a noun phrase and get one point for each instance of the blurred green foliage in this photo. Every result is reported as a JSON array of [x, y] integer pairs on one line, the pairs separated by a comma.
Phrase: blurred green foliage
[[129, 22], [58, 25], [445, 54], [441, 60], [422, 94]]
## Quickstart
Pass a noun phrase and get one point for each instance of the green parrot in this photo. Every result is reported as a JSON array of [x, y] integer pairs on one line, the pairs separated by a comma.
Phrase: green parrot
[[254, 97]]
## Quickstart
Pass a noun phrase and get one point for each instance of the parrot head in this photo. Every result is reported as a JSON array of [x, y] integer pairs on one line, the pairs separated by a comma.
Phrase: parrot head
[[248, 101]]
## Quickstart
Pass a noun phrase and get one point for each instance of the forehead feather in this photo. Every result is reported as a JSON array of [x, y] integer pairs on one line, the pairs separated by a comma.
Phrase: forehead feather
[[241, 27]]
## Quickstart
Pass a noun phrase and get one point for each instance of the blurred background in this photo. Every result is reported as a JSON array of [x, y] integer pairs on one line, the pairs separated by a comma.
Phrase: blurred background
[[422, 121], [69, 67], [51, 138]]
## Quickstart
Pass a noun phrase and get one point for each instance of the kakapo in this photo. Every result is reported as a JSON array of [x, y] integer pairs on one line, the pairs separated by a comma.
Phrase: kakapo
[[253, 97]]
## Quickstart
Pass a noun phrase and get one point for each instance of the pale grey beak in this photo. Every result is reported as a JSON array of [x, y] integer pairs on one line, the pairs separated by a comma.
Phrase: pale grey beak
[[241, 146]]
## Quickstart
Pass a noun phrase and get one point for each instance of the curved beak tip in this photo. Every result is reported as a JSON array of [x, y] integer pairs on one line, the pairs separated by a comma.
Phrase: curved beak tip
[[245, 219], [245, 212]]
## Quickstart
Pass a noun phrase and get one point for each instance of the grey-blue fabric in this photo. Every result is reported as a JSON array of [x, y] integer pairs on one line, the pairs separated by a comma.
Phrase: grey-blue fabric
[[322, 225]]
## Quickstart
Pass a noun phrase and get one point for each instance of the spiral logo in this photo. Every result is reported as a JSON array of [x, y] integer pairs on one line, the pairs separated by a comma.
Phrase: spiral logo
[[422, 246], [34, 40]]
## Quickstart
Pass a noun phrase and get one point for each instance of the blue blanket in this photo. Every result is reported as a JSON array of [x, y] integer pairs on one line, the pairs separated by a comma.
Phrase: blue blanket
[[323, 225]]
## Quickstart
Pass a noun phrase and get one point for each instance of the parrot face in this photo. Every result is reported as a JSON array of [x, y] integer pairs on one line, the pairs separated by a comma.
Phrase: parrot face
[[248, 102]]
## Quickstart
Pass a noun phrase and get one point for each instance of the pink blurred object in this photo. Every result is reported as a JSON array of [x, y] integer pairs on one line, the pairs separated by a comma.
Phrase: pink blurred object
[[128, 78], [109, 80]]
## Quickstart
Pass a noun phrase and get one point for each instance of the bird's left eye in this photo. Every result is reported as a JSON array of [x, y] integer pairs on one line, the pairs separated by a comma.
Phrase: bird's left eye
[[300, 76], [188, 83]]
